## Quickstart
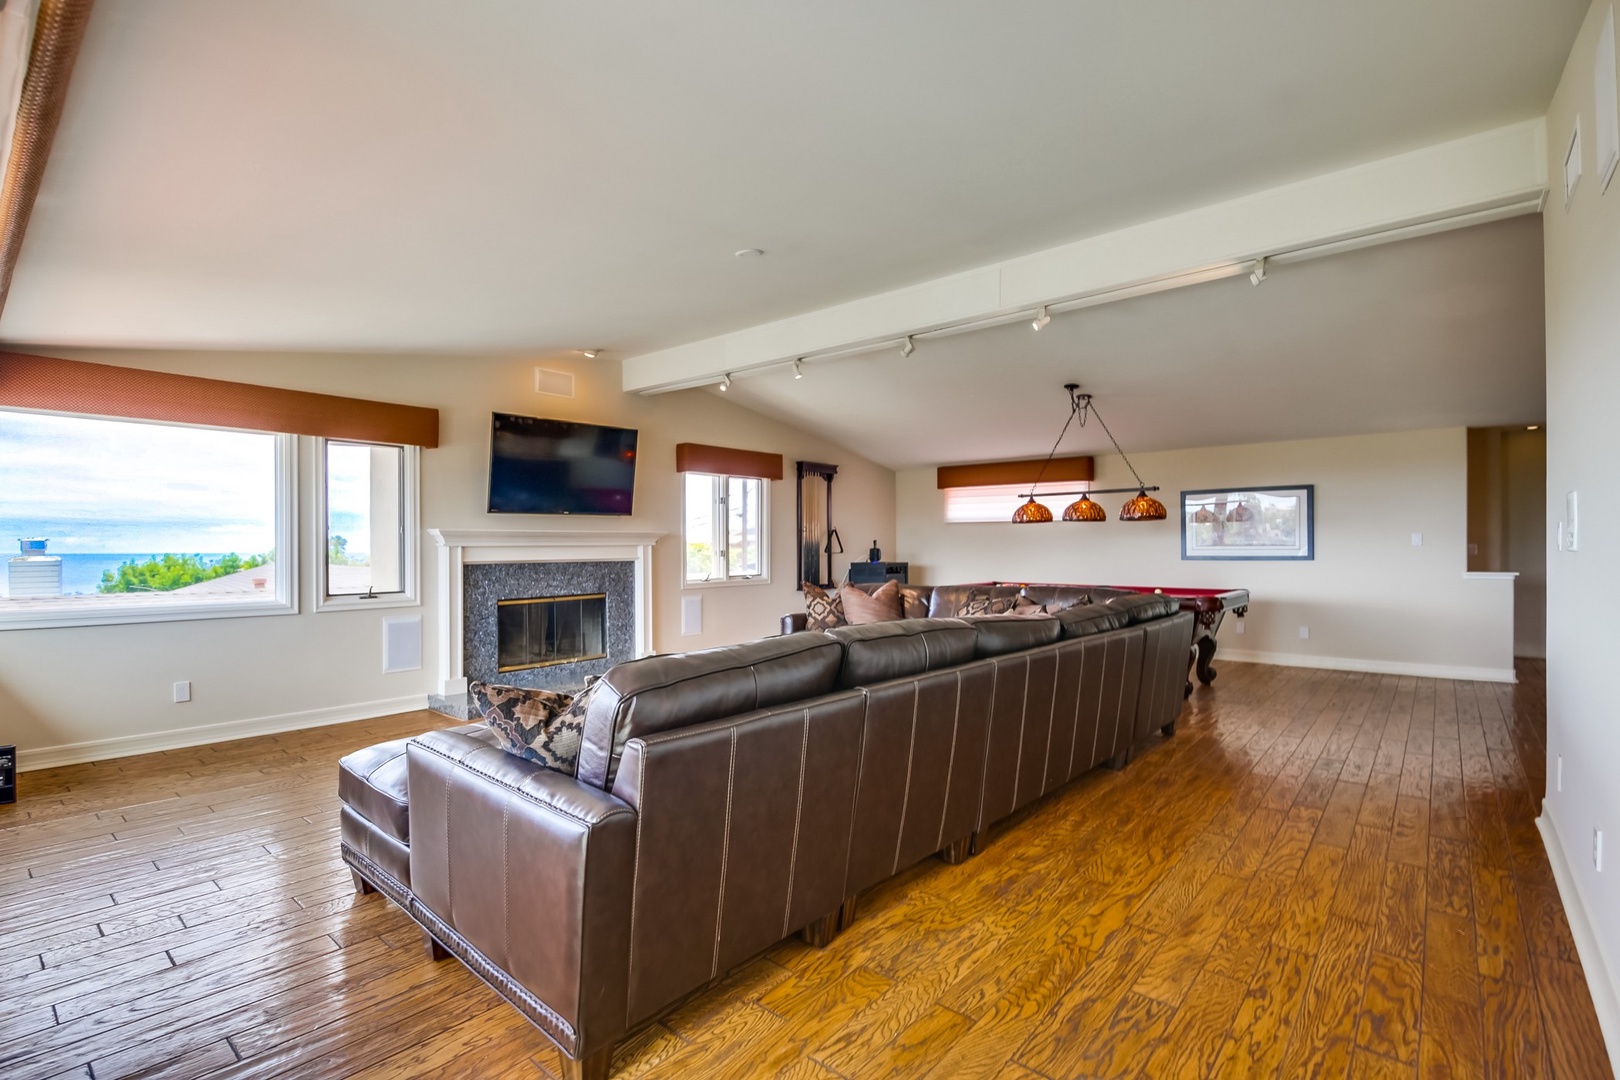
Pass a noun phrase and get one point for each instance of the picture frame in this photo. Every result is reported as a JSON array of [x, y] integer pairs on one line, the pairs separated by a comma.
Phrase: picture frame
[[1275, 524]]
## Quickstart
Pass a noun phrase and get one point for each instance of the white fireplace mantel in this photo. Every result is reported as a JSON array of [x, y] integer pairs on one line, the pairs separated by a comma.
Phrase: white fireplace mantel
[[458, 547]]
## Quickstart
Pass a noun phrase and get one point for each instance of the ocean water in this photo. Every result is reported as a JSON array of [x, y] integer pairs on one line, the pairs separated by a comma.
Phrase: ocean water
[[82, 573]]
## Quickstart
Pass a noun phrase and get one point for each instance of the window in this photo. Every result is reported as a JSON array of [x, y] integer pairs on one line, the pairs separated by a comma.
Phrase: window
[[998, 501], [129, 521], [368, 524], [725, 528]]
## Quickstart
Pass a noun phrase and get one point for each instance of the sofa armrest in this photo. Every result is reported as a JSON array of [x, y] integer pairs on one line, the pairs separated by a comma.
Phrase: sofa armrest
[[525, 874], [793, 624]]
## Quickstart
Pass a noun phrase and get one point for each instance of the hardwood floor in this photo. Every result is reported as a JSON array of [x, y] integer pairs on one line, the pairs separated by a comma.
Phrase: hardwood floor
[[1323, 873]]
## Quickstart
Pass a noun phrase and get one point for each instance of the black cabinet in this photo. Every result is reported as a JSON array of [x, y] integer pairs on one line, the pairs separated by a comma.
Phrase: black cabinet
[[875, 573], [8, 774]]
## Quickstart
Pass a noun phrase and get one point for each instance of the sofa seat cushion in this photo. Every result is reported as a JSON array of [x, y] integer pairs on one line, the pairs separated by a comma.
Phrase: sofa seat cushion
[[997, 635], [1085, 619], [879, 652], [371, 783], [661, 693], [1144, 607]]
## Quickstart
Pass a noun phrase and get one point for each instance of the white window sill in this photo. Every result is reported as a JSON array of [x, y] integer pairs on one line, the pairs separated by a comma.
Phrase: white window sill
[[727, 583], [355, 602], [48, 614]]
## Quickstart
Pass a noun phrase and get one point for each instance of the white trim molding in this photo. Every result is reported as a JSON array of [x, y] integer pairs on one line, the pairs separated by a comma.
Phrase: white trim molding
[[50, 757], [1600, 977], [1381, 667], [458, 547]]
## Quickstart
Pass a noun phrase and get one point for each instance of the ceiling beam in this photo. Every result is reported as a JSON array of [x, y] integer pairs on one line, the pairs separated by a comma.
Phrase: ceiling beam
[[1483, 177], [57, 32]]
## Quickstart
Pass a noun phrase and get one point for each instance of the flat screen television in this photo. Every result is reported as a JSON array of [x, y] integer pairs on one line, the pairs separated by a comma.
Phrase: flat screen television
[[539, 466]]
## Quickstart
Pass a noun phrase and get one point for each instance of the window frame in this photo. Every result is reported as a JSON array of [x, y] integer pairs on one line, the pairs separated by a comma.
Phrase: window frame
[[410, 567], [112, 613], [720, 484]]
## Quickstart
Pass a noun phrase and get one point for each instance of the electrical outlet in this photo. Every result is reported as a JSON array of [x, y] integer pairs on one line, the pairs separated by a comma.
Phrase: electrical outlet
[[182, 691], [1304, 633], [1417, 539], [1473, 549], [1558, 773], [1597, 850], [1240, 624]]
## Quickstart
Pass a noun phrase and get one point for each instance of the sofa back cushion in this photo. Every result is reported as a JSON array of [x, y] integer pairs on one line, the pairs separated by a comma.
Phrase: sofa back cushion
[[995, 635], [660, 693], [1086, 619], [878, 652], [1142, 607]]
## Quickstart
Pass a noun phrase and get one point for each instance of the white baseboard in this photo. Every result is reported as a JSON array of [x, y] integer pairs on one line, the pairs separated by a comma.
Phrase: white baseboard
[[49, 757], [1600, 978], [1382, 667]]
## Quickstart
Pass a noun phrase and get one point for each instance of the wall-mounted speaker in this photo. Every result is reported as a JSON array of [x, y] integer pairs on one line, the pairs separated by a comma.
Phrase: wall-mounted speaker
[[402, 643]]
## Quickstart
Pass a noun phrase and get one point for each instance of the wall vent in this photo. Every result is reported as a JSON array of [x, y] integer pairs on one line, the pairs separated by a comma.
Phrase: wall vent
[[556, 383]]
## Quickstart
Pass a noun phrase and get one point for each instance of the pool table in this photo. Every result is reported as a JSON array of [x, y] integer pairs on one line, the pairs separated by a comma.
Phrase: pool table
[[1209, 607]]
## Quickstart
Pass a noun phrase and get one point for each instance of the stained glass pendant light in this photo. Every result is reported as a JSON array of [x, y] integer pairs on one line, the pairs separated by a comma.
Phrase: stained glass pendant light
[[1141, 507]]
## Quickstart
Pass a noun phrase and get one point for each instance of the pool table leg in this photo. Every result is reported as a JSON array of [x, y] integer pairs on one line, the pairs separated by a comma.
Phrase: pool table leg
[[1206, 652]]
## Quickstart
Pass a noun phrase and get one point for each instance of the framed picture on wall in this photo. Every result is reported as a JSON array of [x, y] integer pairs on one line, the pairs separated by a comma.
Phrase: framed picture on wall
[[1249, 523]]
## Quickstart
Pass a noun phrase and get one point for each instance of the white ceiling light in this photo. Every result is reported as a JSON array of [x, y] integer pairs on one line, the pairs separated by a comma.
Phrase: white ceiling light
[[1258, 274], [798, 370], [908, 347], [748, 253], [589, 354], [725, 382], [1041, 318]]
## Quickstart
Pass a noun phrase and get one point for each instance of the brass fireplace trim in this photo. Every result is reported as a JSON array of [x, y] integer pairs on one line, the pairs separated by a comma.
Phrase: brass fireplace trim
[[504, 668]]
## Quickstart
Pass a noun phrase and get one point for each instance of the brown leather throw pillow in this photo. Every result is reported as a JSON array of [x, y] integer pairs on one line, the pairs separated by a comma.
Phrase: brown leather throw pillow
[[880, 606]]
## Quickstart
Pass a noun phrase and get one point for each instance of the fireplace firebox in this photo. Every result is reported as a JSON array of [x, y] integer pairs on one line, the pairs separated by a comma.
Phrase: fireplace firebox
[[541, 631]]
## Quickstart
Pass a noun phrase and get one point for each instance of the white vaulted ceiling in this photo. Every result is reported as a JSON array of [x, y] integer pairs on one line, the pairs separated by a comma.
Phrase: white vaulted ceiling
[[1443, 331], [541, 176]]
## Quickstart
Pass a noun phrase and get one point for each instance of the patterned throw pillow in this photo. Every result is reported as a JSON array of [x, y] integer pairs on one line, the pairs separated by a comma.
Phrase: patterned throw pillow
[[880, 605], [983, 602], [822, 610], [541, 726], [913, 602]]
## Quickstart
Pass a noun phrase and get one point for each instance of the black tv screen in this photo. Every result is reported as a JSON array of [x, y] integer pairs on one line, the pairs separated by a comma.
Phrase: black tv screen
[[541, 466]]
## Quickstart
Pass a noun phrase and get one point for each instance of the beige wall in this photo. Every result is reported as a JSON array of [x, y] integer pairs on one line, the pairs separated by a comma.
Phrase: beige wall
[[1583, 387], [63, 688], [1371, 600]]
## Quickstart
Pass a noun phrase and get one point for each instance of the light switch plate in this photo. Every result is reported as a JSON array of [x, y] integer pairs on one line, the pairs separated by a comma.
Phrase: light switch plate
[[1572, 514], [1417, 539]]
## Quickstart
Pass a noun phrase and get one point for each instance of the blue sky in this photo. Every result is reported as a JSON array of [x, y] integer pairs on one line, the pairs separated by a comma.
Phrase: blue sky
[[122, 486]]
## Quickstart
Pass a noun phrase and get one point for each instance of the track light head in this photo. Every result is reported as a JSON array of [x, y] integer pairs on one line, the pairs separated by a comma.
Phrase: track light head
[[1041, 318], [908, 347], [725, 382], [798, 370], [1259, 273]]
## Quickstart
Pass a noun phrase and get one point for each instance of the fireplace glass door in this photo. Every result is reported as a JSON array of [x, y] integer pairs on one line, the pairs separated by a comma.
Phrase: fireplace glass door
[[542, 631]]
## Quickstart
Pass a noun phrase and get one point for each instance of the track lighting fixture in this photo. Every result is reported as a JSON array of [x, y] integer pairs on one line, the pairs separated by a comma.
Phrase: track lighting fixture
[[1041, 318], [1259, 273], [725, 382], [798, 370], [1143, 507], [908, 347]]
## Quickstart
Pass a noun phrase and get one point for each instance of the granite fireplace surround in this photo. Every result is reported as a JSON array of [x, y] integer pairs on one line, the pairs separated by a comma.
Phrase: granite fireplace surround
[[508, 566]]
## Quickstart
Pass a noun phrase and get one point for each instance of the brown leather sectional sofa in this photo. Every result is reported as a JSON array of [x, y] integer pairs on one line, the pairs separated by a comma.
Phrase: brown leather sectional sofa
[[728, 798]]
